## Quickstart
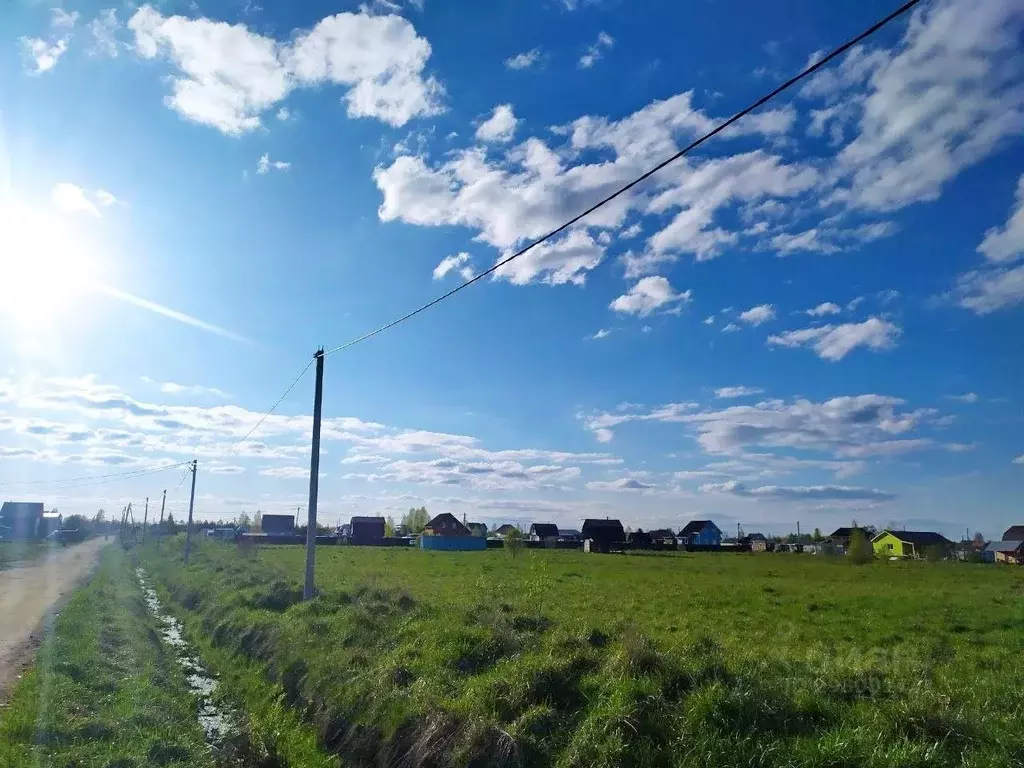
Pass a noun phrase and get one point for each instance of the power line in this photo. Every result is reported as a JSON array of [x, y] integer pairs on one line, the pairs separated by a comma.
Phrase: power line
[[643, 177], [95, 479], [264, 417]]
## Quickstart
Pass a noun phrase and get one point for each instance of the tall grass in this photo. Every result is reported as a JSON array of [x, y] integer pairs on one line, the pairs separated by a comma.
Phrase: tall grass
[[562, 658]]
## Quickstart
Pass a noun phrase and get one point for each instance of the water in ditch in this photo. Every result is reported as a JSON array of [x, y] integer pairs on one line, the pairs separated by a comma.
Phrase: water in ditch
[[216, 721]]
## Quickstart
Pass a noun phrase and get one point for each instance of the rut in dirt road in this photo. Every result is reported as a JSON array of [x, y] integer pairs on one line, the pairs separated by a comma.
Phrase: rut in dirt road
[[31, 591]]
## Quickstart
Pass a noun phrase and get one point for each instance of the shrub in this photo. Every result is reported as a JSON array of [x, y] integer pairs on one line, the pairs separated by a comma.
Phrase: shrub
[[860, 551], [514, 542]]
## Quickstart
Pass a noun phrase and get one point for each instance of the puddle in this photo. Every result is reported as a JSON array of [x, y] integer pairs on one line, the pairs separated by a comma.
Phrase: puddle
[[215, 721]]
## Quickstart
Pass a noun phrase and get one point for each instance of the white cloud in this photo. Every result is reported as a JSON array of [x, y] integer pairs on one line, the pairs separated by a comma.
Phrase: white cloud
[[969, 398], [619, 485], [987, 290], [103, 29], [287, 473], [755, 316], [709, 320], [1019, 459], [730, 328], [73, 199], [800, 492], [825, 308], [230, 75], [829, 239], [601, 334], [265, 164], [43, 55], [104, 198], [649, 295], [61, 19], [834, 342], [459, 263], [499, 127], [730, 392], [596, 50], [555, 262], [197, 390], [946, 98], [283, 114], [523, 60], [1005, 244]]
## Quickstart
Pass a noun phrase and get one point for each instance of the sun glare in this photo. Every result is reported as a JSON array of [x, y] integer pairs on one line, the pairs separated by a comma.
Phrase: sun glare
[[43, 266]]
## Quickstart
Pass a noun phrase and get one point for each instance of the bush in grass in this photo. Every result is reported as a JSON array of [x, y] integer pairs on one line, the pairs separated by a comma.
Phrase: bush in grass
[[860, 550], [935, 553], [514, 542]]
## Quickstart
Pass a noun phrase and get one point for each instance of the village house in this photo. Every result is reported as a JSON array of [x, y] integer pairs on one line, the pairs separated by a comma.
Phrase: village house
[[445, 532], [503, 530], [663, 536], [478, 529], [911, 544], [840, 537], [1006, 552], [702, 533], [21, 520], [543, 531], [1014, 533], [366, 530], [601, 535]]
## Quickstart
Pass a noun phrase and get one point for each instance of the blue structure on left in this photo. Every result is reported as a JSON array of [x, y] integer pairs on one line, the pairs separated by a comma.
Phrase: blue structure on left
[[453, 543]]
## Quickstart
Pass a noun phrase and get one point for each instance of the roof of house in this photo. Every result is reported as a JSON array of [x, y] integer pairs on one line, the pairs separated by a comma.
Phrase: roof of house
[[1014, 533], [503, 529], [477, 525], [695, 526], [662, 533], [1005, 546], [544, 529], [845, 533], [568, 532], [596, 526], [917, 538], [756, 537], [22, 509], [447, 519], [365, 519]]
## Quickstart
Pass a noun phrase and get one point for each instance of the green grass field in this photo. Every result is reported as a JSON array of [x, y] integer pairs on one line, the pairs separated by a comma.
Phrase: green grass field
[[17, 552], [562, 658]]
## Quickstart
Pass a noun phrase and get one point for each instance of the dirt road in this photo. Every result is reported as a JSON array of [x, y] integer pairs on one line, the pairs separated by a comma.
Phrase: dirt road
[[28, 593]]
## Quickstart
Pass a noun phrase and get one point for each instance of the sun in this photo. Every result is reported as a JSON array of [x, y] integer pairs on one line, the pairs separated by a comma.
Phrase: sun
[[44, 267]]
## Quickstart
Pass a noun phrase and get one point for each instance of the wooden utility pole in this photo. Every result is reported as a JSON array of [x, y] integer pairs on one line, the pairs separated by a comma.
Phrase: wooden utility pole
[[145, 521], [191, 505], [160, 525], [314, 476]]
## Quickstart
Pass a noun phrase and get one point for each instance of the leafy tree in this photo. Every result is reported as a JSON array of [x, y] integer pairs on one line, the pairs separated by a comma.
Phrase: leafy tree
[[100, 516], [243, 520], [817, 535], [257, 522], [389, 527], [514, 542], [860, 550], [415, 520], [979, 537], [170, 528], [77, 523]]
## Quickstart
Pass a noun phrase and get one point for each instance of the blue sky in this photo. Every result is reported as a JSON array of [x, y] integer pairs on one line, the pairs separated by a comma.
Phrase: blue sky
[[814, 317]]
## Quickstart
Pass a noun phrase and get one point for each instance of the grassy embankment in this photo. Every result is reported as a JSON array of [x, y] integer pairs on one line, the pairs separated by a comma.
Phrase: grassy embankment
[[104, 691], [107, 692], [563, 658]]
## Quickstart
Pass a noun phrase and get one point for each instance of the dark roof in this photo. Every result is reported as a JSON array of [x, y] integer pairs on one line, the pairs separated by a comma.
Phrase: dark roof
[[1014, 533], [662, 533], [503, 529], [1005, 546], [920, 538], [595, 527], [21, 509], [544, 530], [756, 537], [362, 519], [845, 533], [569, 533], [449, 521], [695, 526]]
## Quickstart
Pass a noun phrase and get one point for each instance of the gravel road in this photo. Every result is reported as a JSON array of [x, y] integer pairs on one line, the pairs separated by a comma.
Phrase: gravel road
[[29, 593]]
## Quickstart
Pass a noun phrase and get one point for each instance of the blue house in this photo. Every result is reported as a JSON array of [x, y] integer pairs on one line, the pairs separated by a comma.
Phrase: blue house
[[702, 533]]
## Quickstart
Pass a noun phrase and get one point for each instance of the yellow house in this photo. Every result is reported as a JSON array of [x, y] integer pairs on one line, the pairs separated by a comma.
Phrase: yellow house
[[907, 543]]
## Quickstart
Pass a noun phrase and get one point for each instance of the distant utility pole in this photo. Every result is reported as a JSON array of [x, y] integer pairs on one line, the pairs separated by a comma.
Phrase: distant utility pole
[[798, 529], [314, 476], [145, 519], [159, 527], [191, 505]]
